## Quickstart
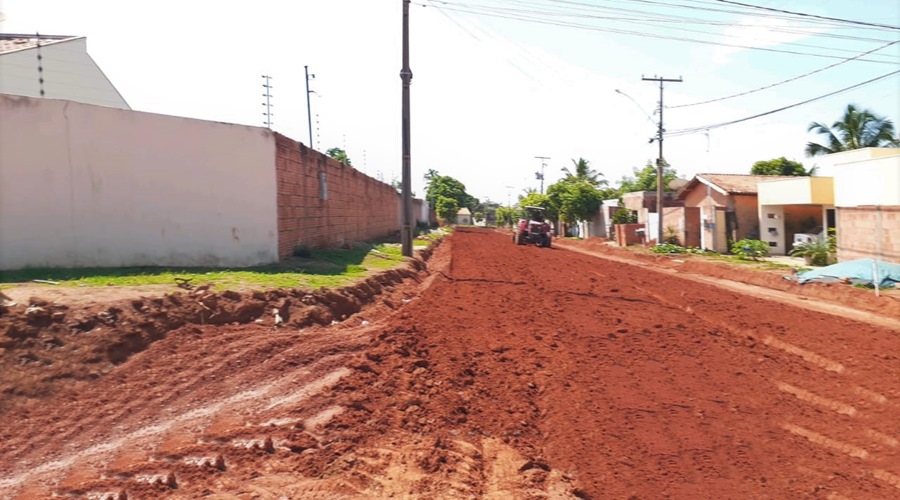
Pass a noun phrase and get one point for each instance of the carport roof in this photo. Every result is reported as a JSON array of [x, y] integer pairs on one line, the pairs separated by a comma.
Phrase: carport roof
[[13, 42], [729, 183]]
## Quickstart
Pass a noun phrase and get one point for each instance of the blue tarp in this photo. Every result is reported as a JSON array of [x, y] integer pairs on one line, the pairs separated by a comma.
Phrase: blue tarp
[[857, 271]]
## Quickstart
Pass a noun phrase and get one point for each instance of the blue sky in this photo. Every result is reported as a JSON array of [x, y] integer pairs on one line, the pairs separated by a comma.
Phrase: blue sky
[[491, 93]]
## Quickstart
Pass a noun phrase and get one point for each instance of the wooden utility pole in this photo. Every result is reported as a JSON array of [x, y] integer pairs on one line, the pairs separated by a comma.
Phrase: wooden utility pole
[[406, 192], [660, 162]]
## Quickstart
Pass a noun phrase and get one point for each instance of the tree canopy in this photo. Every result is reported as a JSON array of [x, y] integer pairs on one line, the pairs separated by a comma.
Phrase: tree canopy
[[339, 155], [447, 187], [779, 166], [856, 129], [645, 179], [446, 208], [583, 172], [574, 199]]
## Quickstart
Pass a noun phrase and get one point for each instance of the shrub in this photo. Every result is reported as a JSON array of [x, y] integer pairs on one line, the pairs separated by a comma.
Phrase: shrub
[[815, 252], [624, 216], [668, 248], [301, 250], [750, 249]]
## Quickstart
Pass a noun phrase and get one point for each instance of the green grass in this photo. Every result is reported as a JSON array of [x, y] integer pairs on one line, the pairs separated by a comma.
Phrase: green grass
[[324, 268]]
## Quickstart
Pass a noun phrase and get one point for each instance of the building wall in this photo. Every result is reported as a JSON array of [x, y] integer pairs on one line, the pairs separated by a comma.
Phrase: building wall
[[747, 216], [797, 191], [869, 232], [686, 223], [69, 73], [829, 165], [322, 202], [85, 185], [868, 182]]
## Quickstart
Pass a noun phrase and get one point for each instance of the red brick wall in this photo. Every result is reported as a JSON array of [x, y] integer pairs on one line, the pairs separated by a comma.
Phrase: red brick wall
[[357, 208], [858, 230]]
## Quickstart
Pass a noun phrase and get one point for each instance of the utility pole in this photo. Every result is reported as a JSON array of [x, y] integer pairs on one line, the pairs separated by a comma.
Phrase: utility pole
[[540, 175], [406, 193], [268, 104], [660, 162], [308, 108]]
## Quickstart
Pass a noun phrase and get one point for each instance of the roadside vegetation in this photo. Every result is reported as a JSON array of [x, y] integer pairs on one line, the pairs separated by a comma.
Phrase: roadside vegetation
[[314, 269]]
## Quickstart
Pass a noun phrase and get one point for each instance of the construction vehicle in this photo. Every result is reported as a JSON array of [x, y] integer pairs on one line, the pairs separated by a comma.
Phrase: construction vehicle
[[533, 229]]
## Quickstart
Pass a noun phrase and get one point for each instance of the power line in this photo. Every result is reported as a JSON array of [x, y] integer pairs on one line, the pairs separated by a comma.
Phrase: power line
[[803, 14], [502, 14], [784, 81], [694, 130]]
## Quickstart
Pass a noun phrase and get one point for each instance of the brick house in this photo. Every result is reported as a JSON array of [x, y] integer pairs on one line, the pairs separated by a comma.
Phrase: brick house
[[727, 207]]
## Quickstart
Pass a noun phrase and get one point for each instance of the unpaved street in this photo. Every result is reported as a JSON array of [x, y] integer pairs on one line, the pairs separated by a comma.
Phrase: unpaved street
[[502, 372]]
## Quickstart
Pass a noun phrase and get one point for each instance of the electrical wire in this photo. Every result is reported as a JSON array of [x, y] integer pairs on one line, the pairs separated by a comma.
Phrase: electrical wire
[[783, 81], [694, 130], [463, 8], [803, 14]]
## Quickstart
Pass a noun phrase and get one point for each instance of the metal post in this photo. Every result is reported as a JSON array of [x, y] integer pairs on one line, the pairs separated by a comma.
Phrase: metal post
[[541, 175], [406, 193], [308, 108], [660, 162]]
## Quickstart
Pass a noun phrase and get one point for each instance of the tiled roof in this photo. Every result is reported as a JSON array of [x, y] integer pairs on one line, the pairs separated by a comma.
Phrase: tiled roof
[[730, 183], [11, 42]]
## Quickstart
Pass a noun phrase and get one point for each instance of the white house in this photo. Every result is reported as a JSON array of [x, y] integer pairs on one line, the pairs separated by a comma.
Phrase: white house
[[67, 70]]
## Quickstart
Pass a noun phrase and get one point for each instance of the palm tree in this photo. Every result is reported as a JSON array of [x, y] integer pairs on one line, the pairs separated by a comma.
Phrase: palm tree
[[583, 172], [856, 129]]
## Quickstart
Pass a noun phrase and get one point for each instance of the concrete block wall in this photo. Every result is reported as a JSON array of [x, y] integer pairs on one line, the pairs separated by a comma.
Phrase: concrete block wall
[[860, 228], [323, 203]]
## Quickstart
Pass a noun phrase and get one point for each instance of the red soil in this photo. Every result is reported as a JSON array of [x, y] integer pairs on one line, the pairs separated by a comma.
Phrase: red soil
[[509, 372]]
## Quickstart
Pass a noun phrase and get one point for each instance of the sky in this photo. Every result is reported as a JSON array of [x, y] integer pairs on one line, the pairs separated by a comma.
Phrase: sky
[[497, 83]]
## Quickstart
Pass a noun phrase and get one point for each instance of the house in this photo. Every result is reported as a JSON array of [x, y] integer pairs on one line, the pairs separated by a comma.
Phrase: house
[[793, 210], [859, 197], [464, 216], [727, 207], [679, 222], [62, 62]]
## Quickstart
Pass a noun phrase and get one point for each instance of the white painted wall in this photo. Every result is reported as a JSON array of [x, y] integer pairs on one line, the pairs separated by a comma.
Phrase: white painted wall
[[69, 73], [85, 185], [827, 166], [772, 217], [873, 181]]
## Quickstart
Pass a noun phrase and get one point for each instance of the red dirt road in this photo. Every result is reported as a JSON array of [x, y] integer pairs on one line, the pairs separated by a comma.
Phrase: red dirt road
[[513, 372]]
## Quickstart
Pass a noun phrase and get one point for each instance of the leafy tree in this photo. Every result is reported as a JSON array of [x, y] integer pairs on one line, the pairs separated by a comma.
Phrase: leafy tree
[[448, 187], [583, 172], [645, 179], [750, 249], [624, 216], [574, 199], [446, 208], [506, 216], [339, 155], [535, 199], [779, 166], [856, 129]]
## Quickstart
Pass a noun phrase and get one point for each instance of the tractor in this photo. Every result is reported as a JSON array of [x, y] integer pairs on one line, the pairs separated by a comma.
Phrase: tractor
[[533, 229]]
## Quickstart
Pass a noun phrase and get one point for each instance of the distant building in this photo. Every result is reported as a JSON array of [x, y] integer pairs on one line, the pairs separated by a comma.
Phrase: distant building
[[464, 216], [68, 72]]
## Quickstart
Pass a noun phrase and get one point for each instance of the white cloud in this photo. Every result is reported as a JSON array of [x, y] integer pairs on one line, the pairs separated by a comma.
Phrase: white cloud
[[756, 32]]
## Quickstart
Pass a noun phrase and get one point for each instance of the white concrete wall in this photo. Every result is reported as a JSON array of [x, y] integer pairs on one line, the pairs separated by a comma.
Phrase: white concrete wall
[[69, 73], [85, 185], [868, 182], [827, 166], [772, 217]]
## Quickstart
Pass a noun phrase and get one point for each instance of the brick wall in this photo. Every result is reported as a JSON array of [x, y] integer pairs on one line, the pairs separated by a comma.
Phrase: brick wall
[[746, 214], [858, 230], [685, 221], [355, 207]]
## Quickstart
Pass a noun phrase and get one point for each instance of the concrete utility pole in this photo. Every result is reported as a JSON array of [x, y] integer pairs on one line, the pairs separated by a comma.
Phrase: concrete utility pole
[[308, 108], [268, 104], [540, 175], [660, 162], [406, 193]]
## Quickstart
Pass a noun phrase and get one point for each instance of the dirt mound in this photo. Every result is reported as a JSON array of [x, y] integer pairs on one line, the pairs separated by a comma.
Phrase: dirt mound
[[44, 345]]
